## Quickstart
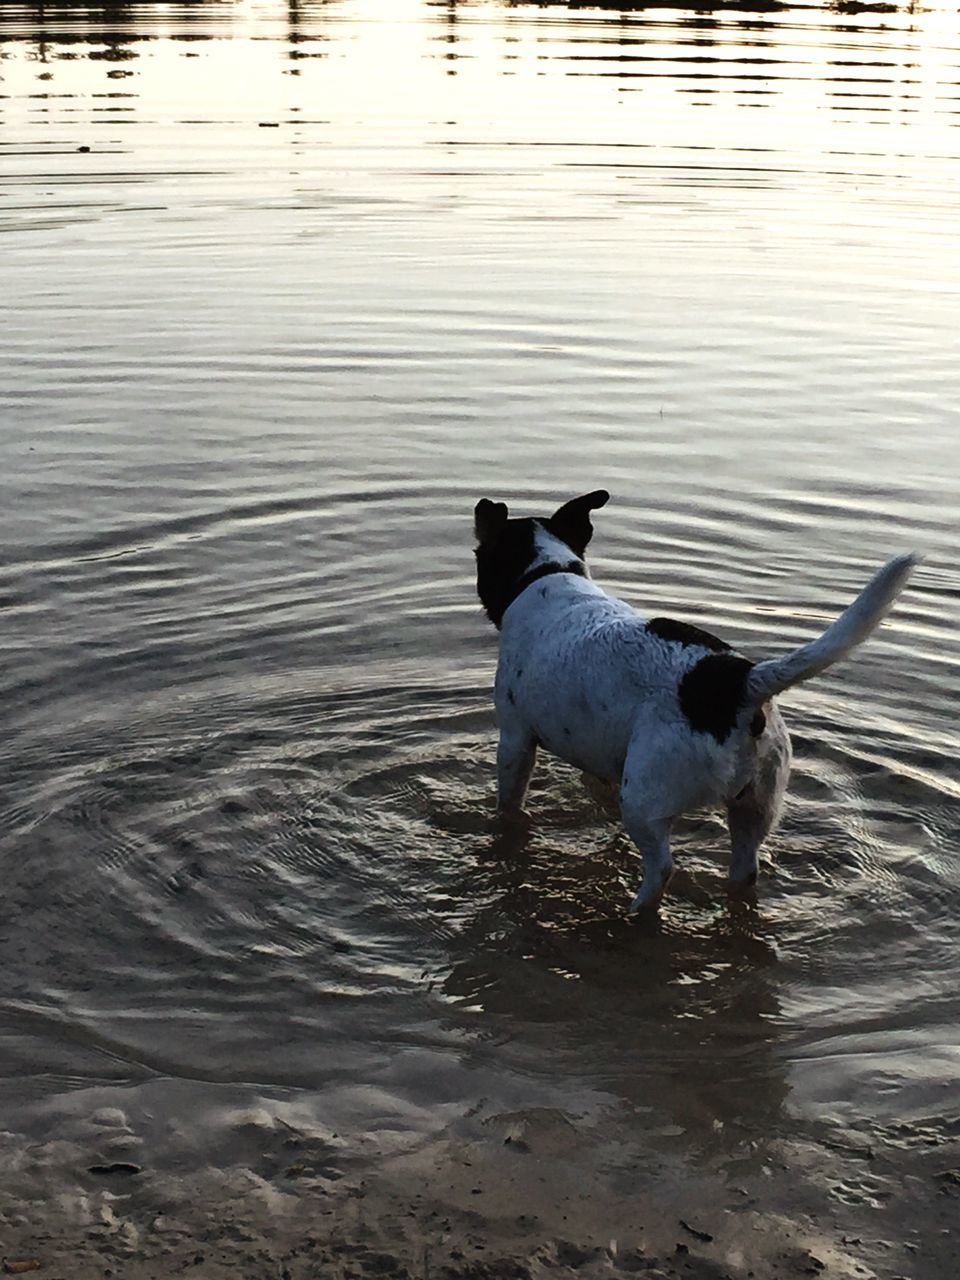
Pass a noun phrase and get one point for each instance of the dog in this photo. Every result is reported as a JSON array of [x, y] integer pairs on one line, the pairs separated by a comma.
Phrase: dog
[[669, 714]]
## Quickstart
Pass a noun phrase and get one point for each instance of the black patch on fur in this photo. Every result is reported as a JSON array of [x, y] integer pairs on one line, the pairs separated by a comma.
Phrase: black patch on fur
[[489, 519], [712, 693], [503, 568], [510, 698], [501, 563], [507, 549], [571, 522], [758, 724], [686, 634]]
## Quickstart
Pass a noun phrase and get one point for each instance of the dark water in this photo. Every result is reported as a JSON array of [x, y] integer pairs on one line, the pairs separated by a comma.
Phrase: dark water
[[285, 289]]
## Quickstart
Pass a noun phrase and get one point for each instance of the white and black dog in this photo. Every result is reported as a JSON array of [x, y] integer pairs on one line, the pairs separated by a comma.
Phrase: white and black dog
[[665, 711]]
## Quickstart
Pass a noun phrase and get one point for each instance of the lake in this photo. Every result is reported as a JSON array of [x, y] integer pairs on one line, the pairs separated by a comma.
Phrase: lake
[[286, 288]]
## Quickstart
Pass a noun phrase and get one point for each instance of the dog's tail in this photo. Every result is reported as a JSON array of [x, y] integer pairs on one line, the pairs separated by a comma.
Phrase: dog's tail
[[853, 626]]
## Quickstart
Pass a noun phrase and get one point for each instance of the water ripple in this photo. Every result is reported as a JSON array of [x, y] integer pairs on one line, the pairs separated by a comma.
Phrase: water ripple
[[268, 343]]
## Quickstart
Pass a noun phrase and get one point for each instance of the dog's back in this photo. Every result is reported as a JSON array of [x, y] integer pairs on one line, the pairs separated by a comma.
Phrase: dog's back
[[586, 672]]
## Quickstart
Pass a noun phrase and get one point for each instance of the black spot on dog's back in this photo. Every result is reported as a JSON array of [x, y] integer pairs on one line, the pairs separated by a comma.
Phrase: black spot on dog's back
[[686, 634], [758, 724], [712, 693]]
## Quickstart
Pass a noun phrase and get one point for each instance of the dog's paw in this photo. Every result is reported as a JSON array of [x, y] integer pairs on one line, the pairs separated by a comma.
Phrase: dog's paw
[[651, 892], [641, 906], [513, 820], [743, 892]]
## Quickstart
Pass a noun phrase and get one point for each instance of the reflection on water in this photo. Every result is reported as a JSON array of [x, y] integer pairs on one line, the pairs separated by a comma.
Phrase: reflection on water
[[287, 287]]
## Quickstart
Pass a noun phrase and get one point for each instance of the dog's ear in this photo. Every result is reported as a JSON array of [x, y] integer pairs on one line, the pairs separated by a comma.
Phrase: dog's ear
[[571, 522], [488, 519]]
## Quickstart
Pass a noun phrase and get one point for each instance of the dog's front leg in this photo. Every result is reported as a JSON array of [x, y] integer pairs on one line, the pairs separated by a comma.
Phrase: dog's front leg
[[516, 756]]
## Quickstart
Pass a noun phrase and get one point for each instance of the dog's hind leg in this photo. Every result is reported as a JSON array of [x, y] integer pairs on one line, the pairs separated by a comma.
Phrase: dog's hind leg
[[516, 756], [753, 814], [659, 783], [653, 841], [651, 835], [750, 821]]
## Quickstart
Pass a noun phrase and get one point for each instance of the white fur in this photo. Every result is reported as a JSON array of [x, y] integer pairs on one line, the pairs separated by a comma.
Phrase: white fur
[[579, 674]]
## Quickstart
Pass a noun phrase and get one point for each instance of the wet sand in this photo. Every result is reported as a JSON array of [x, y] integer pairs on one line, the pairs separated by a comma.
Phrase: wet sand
[[520, 1195]]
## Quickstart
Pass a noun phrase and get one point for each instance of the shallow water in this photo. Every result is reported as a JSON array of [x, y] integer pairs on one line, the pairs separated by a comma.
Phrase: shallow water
[[285, 289]]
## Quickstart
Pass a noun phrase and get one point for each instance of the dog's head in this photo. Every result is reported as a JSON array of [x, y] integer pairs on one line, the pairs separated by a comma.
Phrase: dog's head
[[509, 550]]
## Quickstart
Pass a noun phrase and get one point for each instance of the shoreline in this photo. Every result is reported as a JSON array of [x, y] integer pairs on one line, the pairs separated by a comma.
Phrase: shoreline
[[479, 1203]]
